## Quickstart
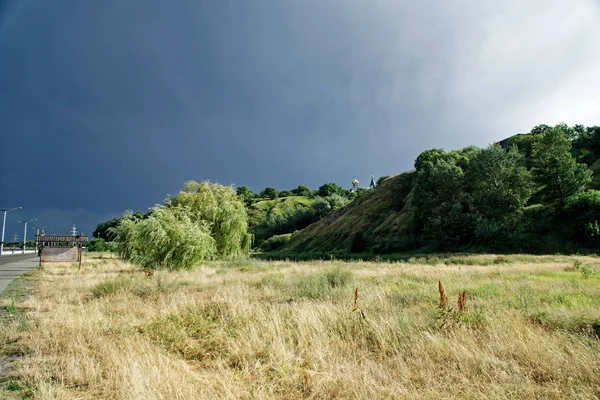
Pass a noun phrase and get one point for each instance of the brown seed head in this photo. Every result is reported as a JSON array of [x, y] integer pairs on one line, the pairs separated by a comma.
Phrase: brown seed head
[[462, 301], [443, 297]]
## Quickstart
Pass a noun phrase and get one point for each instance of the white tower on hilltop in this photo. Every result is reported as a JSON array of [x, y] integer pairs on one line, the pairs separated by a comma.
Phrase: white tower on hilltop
[[74, 230]]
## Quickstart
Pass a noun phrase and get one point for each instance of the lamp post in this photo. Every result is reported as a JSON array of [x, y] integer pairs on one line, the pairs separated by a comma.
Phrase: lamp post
[[5, 210], [25, 232], [37, 233]]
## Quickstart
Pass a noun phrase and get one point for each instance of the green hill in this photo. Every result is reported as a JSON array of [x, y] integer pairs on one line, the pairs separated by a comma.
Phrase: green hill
[[258, 213], [378, 220]]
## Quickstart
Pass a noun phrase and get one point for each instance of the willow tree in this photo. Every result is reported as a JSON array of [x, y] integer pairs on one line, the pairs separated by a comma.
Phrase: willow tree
[[205, 220], [221, 209]]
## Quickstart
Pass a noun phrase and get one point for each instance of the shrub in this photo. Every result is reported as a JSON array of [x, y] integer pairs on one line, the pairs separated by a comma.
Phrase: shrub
[[97, 244], [275, 242]]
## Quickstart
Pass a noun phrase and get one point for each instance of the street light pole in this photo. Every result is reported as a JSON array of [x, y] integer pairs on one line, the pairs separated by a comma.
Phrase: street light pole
[[37, 234], [25, 233], [5, 210]]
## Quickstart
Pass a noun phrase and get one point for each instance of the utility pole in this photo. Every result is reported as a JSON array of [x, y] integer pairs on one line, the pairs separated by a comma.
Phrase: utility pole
[[37, 234], [25, 232], [5, 210]]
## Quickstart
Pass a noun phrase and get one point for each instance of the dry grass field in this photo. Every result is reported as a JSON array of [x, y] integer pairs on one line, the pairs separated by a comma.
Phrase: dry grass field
[[261, 330]]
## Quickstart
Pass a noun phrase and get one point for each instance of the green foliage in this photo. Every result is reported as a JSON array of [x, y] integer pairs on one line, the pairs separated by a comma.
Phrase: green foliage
[[169, 239], [105, 230], [302, 190], [245, 194], [524, 143], [555, 170], [269, 193], [323, 206], [329, 189], [97, 245], [499, 186], [585, 270], [586, 143], [218, 208], [202, 221], [275, 242], [582, 214]]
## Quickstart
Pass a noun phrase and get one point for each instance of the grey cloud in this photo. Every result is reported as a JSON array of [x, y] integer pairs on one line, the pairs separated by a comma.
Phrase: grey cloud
[[133, 98]]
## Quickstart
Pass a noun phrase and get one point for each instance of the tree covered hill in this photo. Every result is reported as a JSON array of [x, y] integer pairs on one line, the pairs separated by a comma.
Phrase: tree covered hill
[[536, 195]]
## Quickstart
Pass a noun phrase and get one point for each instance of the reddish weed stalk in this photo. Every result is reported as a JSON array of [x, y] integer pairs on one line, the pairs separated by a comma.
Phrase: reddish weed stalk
[[443, 298]]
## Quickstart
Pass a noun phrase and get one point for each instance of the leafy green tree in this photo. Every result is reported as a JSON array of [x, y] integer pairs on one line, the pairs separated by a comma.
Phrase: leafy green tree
[[586, 144], [323, 206], [555, 170], [328, 189], [202, 221], [220, 208], [103, 229], [269, 193], [498, 185], [167, 239], [438, 181], [245, 194], [285, 193], [499, 182], [427, 158], [301, 190]]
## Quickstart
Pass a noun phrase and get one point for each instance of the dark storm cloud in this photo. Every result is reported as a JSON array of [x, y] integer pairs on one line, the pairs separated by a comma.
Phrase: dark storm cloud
[[111, 105]]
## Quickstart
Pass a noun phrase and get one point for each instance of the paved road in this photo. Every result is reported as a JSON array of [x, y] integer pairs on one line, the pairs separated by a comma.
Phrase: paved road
[[13, 266]]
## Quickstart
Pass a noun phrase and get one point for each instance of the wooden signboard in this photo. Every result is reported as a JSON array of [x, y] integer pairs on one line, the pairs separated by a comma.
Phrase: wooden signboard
[[59, 254]]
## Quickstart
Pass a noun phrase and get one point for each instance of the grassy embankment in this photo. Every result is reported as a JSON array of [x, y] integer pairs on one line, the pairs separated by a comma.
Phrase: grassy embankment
[[258, 213], [256, 329]]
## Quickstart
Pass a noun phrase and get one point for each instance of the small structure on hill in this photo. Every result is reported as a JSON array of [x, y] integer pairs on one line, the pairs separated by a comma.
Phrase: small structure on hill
[[354, 185], [372, 184]]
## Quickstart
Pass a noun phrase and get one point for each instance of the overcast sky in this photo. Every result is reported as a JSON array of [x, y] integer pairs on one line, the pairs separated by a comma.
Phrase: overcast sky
[[112, 105]]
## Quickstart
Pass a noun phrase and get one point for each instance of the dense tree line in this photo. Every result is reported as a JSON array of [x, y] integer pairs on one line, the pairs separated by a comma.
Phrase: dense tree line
[[325, 190], [496, 198]]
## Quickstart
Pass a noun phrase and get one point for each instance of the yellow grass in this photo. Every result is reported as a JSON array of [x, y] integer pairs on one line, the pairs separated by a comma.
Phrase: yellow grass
[[253, 329]]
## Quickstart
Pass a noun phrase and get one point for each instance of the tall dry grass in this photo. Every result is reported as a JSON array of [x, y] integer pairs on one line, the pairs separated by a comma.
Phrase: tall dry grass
[[246, 330]]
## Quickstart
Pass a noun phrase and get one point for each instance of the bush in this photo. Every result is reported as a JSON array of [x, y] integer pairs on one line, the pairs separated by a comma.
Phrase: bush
[[275, 242], [97, 244]]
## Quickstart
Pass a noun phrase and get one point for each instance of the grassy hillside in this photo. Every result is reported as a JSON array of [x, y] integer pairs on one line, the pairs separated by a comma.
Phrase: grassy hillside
[[258, 212], [379, 218]]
